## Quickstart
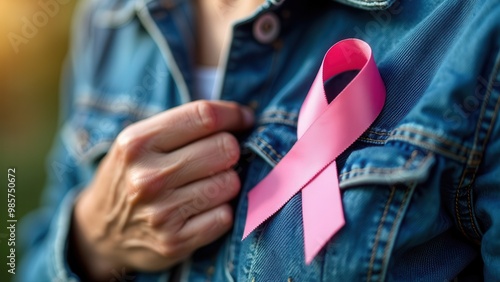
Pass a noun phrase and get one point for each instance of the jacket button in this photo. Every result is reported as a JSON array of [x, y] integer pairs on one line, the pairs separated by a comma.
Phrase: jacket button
[[266, 28]]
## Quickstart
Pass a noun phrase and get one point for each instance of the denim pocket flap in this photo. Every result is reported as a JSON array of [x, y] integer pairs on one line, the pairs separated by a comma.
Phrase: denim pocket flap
[[386, 165], [275, 135], [95, 122]]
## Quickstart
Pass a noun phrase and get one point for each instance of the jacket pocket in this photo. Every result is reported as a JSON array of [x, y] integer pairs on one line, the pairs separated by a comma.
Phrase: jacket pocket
[[274, 137], [96, 120], [378, 185], [377, 182]]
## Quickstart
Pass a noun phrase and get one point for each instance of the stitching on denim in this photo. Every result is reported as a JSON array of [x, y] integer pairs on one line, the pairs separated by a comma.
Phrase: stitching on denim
[[264, 152], [497, 109], [488, 133], [495, 72], [432, 136], [389, 170], [280, 112], [384, 133], [267, 145], [386, 210], [368, 4], [257, 243], [137, 113], [393, 228], [413, 156], [379, 230], [469, 206], [272, 76], [457, 212], [374, 170], [427, 146], [367, 139], [278, 120]]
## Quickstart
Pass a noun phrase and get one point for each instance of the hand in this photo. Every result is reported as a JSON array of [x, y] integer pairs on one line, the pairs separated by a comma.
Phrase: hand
[[162, 190]]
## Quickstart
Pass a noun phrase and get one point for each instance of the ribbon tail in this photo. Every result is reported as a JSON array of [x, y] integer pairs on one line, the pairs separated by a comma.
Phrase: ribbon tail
[[322, 211], [274, 191], [254, 218]]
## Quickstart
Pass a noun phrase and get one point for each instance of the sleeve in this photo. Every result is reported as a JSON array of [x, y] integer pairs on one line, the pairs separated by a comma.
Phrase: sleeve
[[44, 232]]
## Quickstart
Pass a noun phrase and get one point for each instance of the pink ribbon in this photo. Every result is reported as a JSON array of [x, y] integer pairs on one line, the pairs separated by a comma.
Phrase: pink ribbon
[[324, 132]]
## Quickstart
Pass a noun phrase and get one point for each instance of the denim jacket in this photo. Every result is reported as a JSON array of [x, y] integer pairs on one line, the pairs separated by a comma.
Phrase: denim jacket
[[420, 188]]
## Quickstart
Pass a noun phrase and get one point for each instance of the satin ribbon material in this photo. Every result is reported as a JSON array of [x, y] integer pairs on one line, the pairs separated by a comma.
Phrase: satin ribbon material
[[324, 131]]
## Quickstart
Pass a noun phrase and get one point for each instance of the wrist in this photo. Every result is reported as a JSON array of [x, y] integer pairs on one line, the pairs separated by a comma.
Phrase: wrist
[[83, 255]]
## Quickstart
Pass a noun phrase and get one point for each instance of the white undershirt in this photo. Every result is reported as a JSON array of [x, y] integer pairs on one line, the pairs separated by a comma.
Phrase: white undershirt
[[204, 81]]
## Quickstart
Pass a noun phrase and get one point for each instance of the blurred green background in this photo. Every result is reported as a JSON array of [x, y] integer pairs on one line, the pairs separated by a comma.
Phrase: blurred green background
[[29, 93]]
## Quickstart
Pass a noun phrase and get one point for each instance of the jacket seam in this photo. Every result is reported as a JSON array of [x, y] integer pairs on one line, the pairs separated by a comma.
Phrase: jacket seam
[[379, 231], [393, 229], [267, 145], [137, 114], [388, 170], [371, 140], [278, 120], [464, 150], [488, 133], [471, 160], [381, 133], [258, 239], [280, 112], [369, 4], [149, 24], [430, 147], [266, 154], [382, 220]]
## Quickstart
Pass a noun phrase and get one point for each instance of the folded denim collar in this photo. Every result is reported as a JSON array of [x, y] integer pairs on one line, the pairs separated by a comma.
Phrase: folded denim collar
[[362, 4], [122, 11], [368, 4]]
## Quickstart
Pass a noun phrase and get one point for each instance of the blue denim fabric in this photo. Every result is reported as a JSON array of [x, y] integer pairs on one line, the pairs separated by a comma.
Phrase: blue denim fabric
[[421, 187]]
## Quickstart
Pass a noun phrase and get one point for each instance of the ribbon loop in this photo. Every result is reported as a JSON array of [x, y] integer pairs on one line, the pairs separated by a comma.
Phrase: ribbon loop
[[324, 131]]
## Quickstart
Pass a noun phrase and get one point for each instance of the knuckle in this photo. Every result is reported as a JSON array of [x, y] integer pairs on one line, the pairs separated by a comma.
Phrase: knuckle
[[224, 216], [171, 174], [206, 194], [143, 182], [171, 244], [227, 182], [232, 181], [136, 184], [167, 248], [157, 218], [128, 143], [205, 115], [228, 146]]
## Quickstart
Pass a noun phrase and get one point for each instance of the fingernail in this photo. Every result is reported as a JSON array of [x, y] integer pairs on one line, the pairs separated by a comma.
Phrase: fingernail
[[248, 116]]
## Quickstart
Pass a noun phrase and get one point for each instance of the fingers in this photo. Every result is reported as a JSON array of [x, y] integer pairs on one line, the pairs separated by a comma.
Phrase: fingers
[[174, 209], [184, 124], [192, 216], [197, 232], [207, 227], [163, 172], [186, 147], [204, 158]]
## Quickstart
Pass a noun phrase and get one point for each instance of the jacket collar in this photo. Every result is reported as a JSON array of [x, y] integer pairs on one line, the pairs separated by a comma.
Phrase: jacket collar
[[368, 4], [118, 12]]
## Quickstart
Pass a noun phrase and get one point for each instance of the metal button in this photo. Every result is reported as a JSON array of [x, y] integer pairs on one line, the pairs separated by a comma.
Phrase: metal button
[[266, 28]]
